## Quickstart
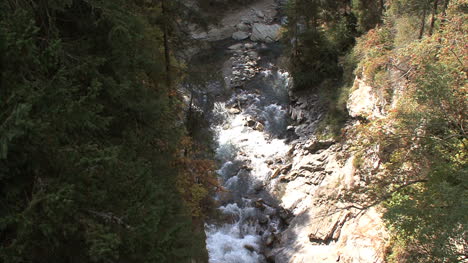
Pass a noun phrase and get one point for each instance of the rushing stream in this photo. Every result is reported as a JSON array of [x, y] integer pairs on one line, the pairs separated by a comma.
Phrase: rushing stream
[[250, 129], [245, 148]]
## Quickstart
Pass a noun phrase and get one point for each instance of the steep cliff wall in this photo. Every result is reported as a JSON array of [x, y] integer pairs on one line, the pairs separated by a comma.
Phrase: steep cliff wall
[[323, 224]]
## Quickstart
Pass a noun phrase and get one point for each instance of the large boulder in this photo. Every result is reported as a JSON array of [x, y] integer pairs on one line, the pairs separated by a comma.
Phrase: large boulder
[[365, 101], [265, 33]]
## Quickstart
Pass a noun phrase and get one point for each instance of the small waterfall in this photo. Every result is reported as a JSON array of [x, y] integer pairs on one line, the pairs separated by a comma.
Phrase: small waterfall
[[250, 128]]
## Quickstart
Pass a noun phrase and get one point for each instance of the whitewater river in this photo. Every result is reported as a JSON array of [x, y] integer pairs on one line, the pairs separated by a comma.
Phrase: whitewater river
[[249, 125]]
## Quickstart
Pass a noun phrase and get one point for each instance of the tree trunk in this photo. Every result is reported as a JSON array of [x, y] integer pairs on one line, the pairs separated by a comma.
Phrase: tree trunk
[[434, 13], [296, 41], [189, 113], [188, 121], [423, 23], [167, 52]]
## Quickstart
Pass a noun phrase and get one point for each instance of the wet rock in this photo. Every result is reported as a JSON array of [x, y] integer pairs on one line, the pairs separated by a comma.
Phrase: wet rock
[[285, 215], [240, 35], [247, 168], [259, 127], [259, 204], [250, 123], [269, 240], [234, 111], [249, 248], [263, 219], [270, 256], [258, 187]]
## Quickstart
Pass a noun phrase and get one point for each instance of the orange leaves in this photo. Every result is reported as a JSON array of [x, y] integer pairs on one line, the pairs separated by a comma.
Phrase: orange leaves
[[196, 180]]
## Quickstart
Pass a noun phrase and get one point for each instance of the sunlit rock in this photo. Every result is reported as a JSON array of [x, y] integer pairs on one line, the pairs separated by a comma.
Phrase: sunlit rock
[[365, 101], [265, 33]]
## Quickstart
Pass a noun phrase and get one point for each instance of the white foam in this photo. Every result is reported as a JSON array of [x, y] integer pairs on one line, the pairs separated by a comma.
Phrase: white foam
[[239, 241], [226, 245]]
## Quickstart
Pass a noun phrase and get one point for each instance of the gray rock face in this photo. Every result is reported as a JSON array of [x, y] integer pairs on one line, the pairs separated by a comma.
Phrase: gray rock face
[[239, 35], [265, 33], [319, 228], [306, 110]]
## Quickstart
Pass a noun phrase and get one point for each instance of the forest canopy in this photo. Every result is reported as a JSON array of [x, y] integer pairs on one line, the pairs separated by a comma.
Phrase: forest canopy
[[90, 135]]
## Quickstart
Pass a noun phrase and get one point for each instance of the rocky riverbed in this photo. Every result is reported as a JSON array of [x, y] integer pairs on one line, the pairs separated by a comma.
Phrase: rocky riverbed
[[284, 186]]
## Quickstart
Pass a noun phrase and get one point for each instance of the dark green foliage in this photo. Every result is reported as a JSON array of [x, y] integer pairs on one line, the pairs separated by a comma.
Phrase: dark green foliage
[[87, 136], [368, 13], [316, 60], [319, 32]]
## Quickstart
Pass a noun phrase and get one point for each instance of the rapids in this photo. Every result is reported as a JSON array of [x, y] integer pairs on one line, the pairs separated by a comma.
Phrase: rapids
[[248, 139]]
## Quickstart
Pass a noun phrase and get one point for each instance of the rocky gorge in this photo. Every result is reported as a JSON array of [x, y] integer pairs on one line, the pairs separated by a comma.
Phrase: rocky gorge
[[284, 183]]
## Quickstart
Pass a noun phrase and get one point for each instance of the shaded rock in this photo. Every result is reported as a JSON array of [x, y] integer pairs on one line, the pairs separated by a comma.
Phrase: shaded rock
[[244, 27], [312, 168], [240, 35], [263, 219], [270, 239], [290, 177], [314, 145], [249, 45], [236, 46], [286, 168], [258, 187], [284, 214], [247, 168], [253, 54], [250, 122], [260, 14], [259, 204]]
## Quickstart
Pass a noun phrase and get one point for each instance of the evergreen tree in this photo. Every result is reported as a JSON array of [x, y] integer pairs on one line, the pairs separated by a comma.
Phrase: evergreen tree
[[89, 136]]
